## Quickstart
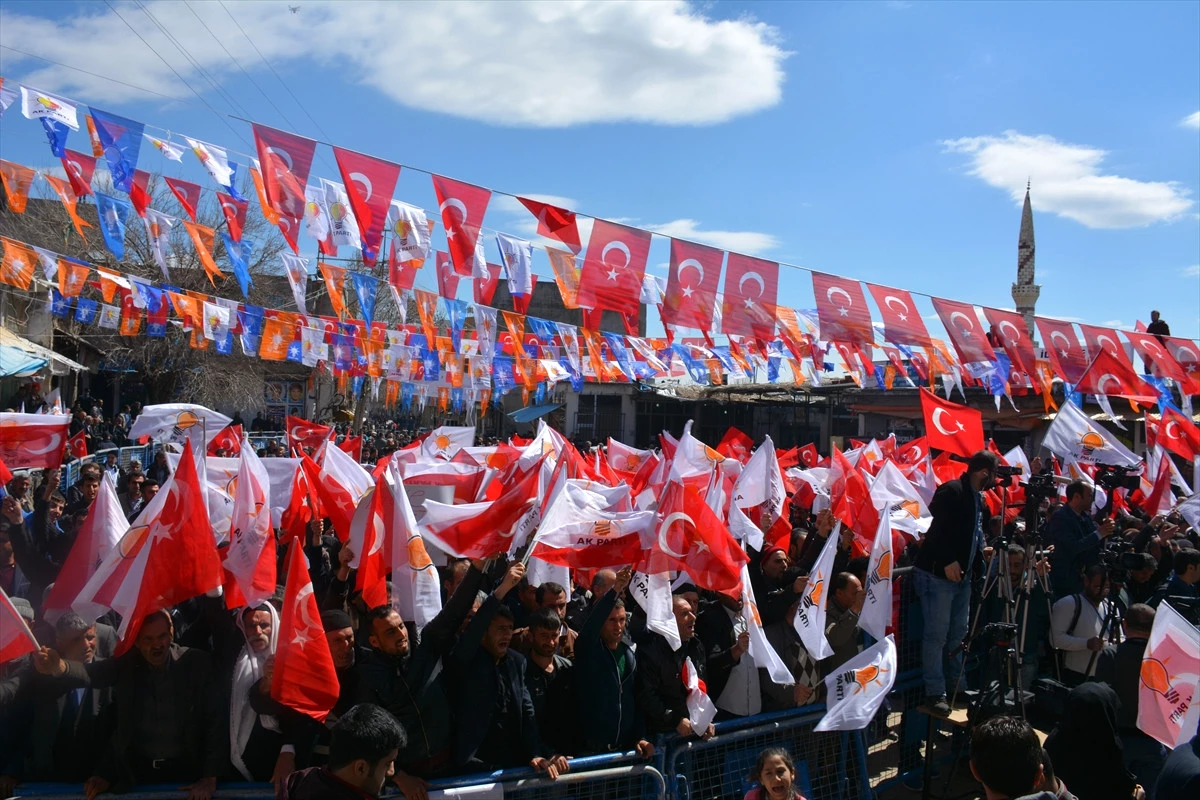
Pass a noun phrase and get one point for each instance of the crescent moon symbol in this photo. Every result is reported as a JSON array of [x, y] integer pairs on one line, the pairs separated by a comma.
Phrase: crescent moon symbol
[[1150, 346], [937, 422], [690, 262], [666, 526], [286, 223], [455, 203], [283, 156], [955, 315], [889, 299], [358, 177], [762, 287], [1185, 349], [615, 245], [1104, 379], [76, 168], [55, 442], [1167, 430], [1056, 335], [1015, 336], [838, 290], [302, 606], [1102, 338]]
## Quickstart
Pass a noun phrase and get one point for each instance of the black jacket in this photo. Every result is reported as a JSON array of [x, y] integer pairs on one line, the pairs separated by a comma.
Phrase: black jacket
[[1076, 546], [1120, 666], [477, 677], [607, 705], [661, 694], [714, 627], [949, 538]]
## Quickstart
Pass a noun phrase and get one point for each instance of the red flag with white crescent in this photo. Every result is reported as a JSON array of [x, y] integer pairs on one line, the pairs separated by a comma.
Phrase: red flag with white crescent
[[1062, 344], [1106, 339], [286, 160], [1014, 336], [1162, 362], [369, 183], [79, 168], [951, 427], [187, 193], [480, 530], [614, 268], [695, 273], [902, 322], [691, 537], [462, 206], [1178, 434], [554, 223], [33, 440], [77, 444], [235, 214], [809, 456], [15, 637], [1187, 354], [228, 439], [842, 309], [1107, 375], [304, 434], [304, 678], [751, 295], [965, 331]]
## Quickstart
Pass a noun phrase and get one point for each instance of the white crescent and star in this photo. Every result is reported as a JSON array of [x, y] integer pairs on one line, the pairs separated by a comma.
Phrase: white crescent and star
[[970, 326], [1056, 335], [891, 298], [358, 177], [1104, 379], [1167, 430], [1013, 337], [55, 443], [693, 263], [458, 205], [836, 290], [1102, 338], [302, 611], [937, 422], [666, 526], [282, 155], [754, 276], [616, 244]]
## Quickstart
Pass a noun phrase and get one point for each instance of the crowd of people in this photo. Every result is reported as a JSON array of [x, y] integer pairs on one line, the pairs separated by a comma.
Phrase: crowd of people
[[510, 674]]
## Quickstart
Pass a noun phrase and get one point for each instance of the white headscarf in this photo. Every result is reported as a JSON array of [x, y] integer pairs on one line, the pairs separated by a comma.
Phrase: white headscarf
[[247, 671]]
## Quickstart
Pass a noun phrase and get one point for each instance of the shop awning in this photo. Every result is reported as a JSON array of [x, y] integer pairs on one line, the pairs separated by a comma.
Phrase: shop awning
[[529, 414], [16, 363], [13, 344]]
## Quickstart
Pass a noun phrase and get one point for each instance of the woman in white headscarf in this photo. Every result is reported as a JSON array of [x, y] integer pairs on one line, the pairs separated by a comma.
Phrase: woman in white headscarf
[[253, 756]]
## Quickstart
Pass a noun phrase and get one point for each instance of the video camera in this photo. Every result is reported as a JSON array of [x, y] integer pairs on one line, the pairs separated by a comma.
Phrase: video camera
[[1005, 474], [1040, 487], [1112, 476], [1119, 558]]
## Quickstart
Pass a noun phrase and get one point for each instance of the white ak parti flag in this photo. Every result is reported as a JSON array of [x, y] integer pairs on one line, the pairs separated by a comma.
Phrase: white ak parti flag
[[1167, 707], [877, 607], [175, 422], [1074, 434], [856, 690], [810, 614], [761, 651]]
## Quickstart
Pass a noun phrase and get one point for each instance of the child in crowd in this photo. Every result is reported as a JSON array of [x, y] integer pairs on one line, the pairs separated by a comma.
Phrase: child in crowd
[[775, 774]]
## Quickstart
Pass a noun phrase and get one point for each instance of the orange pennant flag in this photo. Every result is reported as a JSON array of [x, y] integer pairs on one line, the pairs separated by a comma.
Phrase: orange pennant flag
[[594, 345], [443, 398], [566, 275], [17, 182], [63, 190], [276, 337], [72, 277], [427, 308], [204, 238], [335, 283], [94, 138], [16, 269], [271, 215], [187, 309], [485, 397], [131, 317], [392, 394], [108, 286]]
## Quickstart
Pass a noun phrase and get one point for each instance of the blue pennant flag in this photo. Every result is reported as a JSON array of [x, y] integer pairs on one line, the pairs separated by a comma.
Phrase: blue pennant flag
[[616, 346], [295, 352], [156, 317], [539, 394], [1166, 399], [576, 376], [239, 257], [773, 363], [406, 395], [59, 306], [457, 399], [232, 187], [642, 370], [543, 329], [356, 386], [56, 132], [878, 372], [85, 310], [722, 354], [432, 364], [502, 374], [417, 342], [113, 211], [251, 320], [365, 289], [225, 344], [121, 139], [997, 379], [343, 352], [456, 310], [696, 368]]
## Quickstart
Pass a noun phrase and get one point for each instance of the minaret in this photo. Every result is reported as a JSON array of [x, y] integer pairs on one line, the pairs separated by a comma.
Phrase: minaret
[[1025, 292]]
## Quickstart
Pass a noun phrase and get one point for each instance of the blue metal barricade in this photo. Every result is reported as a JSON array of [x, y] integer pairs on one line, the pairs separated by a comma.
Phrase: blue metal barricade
[[616, 776]]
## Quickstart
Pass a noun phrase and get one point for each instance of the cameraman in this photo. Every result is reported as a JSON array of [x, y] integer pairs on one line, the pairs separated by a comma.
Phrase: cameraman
[[1075, 538], [1076, 625], [950, 554], [1141, 584]]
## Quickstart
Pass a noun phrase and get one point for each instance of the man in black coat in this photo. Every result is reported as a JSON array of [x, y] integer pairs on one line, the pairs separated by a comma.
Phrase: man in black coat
[[171, 726], [950, 555], [495, 725], [661, 692], [1076, 540]]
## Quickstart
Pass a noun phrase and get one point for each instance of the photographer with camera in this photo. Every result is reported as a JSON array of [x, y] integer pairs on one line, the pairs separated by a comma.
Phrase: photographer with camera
[[1075, 538], [1077, 625]]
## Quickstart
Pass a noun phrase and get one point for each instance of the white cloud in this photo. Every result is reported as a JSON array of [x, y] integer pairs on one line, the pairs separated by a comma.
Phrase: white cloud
[[528, 64], [1191, 121], [1191, 272], [1115, 323], [749, 242], [1067, 180]]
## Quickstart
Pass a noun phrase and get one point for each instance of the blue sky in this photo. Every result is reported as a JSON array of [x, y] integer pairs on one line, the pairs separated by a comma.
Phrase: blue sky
[[885, 141]]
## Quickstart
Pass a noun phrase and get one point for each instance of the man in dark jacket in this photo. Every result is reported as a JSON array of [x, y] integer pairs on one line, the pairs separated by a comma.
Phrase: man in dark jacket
[[950, 554], [171, 726], [841, 620], [605, 664], [495, 727], [362, 748], [1076, 540], [550, 679], [406, 680]]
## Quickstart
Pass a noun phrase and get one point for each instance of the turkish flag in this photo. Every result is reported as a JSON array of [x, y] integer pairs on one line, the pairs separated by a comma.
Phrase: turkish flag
[[77, 444], [614, 267], [693, 538], [902, 323], [1105, 339], [352, 445], [480, 530], [1010, 327], [913, 452], [228, 439], [304, 678], [751, 296], [304, 504], [692, 280], [850, 496], [966, 334], [369, 183], [342, 484], [402, 274], [290, 227], [1161, 499], [235, 214], [303, 434], [484, 289], [369, 530], [463, 206], [1187, 354], [15, 637], [554, 223], [951, 427], [1066, 354], [736, 445], [1108, 375], [79, 168], [809, 456], [842, 310], [286, 160], [1178, 434], [1162, 362], [33, 440], [187, 193], [447, 278]]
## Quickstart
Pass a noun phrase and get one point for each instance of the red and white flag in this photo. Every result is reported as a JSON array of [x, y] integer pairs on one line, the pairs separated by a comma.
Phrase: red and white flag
[[250, 558], [1109, 376], [1187, 354], [77, 444], [809, 456], [692, 280], [1170, 677], [167, 556], [79, 168], [1179, 434], [1010, 327], [286, 160], [966, 333], [1065, 351], [614, 268], [368, 540], [462, 206], [480, 530], [15, 637], [370, 183], [579, 530], [951, 427], [187, 193], [554, 223], [101, 530], [1107, 340], [228, 439], [751, 297], [1160, 500], [304, 678], [692, 538], [842, 310], [304, 434], [416, 588], [352, 446], [343, 482], [902, 322], [33, 440]]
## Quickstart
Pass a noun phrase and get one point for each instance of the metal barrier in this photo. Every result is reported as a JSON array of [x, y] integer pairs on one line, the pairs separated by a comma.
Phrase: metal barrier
[[73, 791], [616, 776], [125, 456]]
